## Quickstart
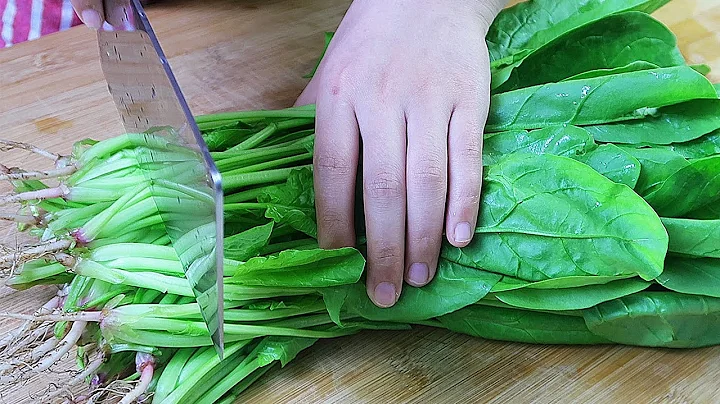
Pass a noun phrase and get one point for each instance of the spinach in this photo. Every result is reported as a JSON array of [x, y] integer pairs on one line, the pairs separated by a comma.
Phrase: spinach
[[694, 276], [588, 225], [672, 124], [610, 43], [705, 146], [690, 188], [707, 212], [313, 268], [529, 25], [510, 283], [454, 287], [594, 100], [630, 67], [505, 324], [561, 140], [656, 165], [696, 238], [614, 163], [575, 298], [293, 203], [247, 244], [657, 319]]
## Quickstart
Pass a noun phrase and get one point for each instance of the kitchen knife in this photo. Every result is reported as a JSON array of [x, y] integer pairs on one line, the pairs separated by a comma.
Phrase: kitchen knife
[[149, 100]]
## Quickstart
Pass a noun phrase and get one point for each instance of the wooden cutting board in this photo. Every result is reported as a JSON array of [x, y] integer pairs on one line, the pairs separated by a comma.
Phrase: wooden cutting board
[[251, 54]]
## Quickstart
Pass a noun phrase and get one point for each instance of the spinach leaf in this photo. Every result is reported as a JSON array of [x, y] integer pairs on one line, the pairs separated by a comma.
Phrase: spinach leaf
[[672, 124], [689, 188], [614, 163], [597, 100], [282, 349], [611, 42], [697, 238], [577, 298], [707, 212], [247, 244], [656, 165], [630, 67], [529, 25], [657, 319], [705, 146], [544, 217], [694, 276], [510, 283], [299, 268], [454, 286], [561, 140], [517, 325], [293, 202]]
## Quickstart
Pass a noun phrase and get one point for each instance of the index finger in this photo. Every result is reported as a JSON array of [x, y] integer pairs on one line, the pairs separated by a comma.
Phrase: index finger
[[90, 12]]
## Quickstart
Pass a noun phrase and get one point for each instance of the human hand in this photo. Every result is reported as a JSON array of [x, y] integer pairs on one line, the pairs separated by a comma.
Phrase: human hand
[[412, 80], [94, 13]]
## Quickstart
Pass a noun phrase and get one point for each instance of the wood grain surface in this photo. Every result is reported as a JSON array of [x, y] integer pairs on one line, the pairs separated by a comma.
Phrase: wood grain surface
[[231, 55]]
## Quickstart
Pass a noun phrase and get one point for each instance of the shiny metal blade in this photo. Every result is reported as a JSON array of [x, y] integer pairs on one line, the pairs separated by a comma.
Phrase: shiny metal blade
[[187, 190]]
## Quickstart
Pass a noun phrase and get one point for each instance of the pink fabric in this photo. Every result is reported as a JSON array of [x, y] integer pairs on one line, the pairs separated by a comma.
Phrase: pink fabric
[[23, 20]]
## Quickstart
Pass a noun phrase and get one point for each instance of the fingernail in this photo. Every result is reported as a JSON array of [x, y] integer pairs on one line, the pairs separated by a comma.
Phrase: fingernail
[[463, 232], [418, 274], [385, 294], [91, 18]]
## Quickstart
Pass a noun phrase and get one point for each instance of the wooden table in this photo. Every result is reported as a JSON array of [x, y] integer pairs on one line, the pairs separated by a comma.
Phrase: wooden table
[[250, 54]]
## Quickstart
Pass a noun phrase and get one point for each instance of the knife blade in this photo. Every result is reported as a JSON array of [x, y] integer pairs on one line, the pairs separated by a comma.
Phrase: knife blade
[[150, 101]]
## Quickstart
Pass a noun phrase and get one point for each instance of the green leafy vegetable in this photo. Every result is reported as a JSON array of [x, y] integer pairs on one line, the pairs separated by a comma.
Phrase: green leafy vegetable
[[589, 225], [695, 276], [696, 238], [609, 43], [594, 100], [657, 319], [614, 163], [300, 268], [529, 25], [576, 298], [672, 124], [518, 325], [294, 202], [245, 245], [563, 140], [454, 286]]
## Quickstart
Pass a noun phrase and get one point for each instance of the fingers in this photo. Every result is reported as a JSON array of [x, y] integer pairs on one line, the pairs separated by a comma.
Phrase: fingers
[[90, 12], [465, 176], [118, 14], [94, 13], [335, 161], [426, 192], [384, 192]]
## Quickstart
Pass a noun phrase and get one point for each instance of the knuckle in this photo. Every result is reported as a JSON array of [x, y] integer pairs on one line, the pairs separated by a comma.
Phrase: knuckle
[[339, 77], [333, 221], [385, 185], [334, 165], [429, 176], [387, 256]]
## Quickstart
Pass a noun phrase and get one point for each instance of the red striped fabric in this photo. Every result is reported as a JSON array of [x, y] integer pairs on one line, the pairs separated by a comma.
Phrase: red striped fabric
[[23, 20], [21, 24], [3, 5]]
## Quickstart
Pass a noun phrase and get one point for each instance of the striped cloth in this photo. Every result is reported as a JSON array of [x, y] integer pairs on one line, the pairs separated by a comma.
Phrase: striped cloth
[[25, 20]]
